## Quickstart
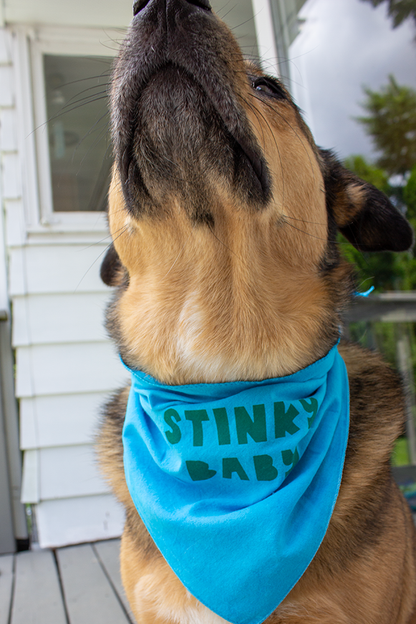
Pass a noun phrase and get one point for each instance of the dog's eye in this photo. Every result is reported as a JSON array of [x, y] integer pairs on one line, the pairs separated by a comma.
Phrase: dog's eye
[[269, 87]]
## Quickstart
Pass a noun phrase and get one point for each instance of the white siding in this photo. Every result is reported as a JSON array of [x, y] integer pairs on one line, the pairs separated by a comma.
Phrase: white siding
[[77, 12], [69, 471], [65, 370], [65, 365], [58, 268], [75, 520], [59, 318], [54, 421], [9, 432]]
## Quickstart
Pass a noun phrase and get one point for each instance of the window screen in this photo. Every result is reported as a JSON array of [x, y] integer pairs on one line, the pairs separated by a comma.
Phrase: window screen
[[78, 131]]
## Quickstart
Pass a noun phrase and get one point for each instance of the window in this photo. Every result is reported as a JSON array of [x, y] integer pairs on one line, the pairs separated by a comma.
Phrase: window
[[78, 123], [67, 76]]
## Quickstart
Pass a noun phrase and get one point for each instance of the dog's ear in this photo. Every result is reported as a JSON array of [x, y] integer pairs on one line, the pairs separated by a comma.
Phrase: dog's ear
[[112, 270], [363, 214]]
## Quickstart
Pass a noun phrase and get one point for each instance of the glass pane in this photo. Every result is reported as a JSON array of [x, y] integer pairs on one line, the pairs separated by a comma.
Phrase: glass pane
[[78, 131]]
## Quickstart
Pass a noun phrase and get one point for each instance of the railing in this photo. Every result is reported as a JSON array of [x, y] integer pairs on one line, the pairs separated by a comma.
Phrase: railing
[[394, 307]]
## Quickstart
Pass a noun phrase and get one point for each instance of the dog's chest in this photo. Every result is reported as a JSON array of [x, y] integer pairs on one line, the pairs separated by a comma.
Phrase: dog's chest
[[175, 608], [192, 615]]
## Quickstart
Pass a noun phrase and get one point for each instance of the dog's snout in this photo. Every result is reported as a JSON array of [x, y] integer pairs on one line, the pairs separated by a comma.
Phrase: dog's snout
[[177, 110], [165, 5]]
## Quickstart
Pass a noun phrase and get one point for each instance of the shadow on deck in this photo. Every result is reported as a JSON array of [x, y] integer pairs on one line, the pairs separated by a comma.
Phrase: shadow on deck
[[73, 585]]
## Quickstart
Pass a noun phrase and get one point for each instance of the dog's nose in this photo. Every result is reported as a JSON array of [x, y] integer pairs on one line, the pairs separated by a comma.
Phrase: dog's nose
[[139, 5]]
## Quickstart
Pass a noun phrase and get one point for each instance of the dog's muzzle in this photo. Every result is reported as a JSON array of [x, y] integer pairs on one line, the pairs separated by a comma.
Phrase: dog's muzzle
[[177, 110]]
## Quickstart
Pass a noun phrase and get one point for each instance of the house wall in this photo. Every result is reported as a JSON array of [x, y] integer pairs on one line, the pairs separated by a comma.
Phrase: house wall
[[105, 13], [7, 543], [13, 519], [65, 368], [65, 365]]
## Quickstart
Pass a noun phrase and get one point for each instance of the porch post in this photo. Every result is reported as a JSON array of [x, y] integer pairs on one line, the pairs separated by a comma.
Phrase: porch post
[[266, 37], [7, 543]]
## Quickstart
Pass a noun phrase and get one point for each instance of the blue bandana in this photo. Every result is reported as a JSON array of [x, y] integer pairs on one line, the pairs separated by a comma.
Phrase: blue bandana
[[236, 482]]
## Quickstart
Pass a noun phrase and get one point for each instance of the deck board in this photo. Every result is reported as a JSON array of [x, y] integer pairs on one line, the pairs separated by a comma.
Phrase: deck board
[[37, 594], [6, 587], [109, 554], [89, 596], [81, 586]]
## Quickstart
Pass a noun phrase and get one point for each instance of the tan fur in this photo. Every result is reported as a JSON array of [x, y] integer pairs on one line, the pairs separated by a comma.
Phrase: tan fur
[[261, 272], [349, 204], [257, 294], [156, 594]]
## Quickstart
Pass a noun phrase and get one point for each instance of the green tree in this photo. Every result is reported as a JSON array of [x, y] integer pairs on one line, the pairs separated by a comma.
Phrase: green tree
[[399, 10], [409, 197], [391, 123], [364, 170]]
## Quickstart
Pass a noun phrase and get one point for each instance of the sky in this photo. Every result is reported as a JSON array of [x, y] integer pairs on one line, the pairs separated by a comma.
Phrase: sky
[[343, 45]]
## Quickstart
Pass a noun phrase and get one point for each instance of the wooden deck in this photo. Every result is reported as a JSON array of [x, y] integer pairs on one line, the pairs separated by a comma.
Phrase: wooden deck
[[74, 585]]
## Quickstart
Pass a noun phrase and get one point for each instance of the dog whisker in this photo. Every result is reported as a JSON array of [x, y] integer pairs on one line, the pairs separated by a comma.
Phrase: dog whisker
[[70, 110], [304, 220], [91, 97], [103, 132], [174, 262], [302, 140], [321, 238], [259, 113], [228, 12], [227, 247], [95, 261]]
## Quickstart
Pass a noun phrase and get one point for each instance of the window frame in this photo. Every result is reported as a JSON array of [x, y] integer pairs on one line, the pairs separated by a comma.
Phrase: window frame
[[73, 42]]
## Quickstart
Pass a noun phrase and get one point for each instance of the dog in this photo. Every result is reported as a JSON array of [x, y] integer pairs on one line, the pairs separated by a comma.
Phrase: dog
[[224, 217]]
